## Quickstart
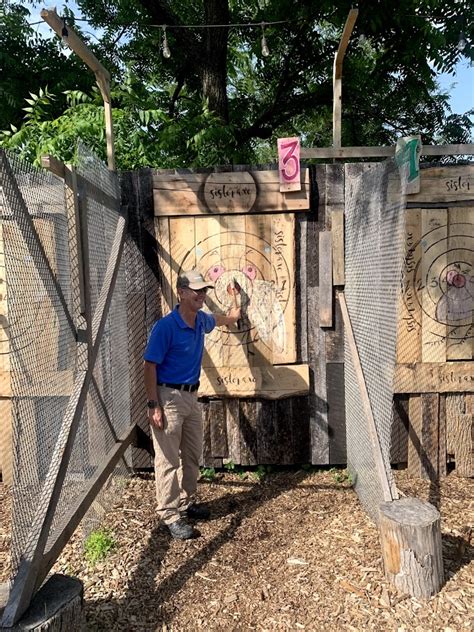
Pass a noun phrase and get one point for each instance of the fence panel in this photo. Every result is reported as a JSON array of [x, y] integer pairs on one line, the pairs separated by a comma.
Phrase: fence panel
[[374, 210], [68, 357]]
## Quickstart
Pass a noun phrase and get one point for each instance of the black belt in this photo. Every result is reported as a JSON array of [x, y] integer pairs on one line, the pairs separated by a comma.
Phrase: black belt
[[190, 388]]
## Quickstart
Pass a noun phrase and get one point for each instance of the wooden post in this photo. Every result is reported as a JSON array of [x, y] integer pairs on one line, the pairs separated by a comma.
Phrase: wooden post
[[325, 279], [337, 76], [410, 534], [460, 435], [102, 76]]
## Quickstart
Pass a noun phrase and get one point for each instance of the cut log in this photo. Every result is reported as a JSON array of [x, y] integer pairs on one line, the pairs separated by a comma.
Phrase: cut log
[[410, 534], [56, 606]]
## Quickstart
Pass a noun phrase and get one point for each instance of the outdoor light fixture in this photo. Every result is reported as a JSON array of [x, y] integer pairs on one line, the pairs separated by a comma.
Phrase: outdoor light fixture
[[164, 45], [265, 49], [462, 43]]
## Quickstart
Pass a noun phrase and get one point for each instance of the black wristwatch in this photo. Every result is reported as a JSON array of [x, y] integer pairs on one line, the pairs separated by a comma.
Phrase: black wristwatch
[[152, 403]]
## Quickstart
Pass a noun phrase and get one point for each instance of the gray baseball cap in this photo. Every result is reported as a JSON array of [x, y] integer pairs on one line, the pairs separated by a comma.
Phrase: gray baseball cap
[[192, 279]]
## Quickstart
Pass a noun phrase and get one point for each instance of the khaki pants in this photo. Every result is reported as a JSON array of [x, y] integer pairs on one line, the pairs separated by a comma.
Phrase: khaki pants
[[178, 448]]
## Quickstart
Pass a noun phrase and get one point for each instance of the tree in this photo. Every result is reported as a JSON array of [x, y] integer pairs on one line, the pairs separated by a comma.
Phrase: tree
[[217, 100], [29, 62]]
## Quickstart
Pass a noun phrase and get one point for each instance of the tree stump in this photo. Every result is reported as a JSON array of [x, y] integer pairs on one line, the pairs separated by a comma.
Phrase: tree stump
[[56, 607], [410, 534]]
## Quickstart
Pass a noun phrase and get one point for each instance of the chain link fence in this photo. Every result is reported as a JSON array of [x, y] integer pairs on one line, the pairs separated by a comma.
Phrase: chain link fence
[[57, 242], [375, 203]]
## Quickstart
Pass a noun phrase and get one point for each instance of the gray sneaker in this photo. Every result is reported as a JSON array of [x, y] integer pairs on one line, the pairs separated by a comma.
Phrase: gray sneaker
[[181, 530]]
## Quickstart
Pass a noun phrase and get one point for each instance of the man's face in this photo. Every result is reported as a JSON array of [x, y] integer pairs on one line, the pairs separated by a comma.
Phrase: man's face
[[192, 299]]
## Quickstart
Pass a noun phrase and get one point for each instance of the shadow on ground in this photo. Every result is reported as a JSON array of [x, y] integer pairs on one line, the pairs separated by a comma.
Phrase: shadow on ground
[[146, 604]]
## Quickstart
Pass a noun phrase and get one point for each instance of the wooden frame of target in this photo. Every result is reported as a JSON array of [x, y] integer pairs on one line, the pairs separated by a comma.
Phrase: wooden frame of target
[[231, 228]]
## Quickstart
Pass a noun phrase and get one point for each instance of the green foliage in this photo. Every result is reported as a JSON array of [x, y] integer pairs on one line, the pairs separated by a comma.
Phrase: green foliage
[[98, 545], [341, 476], [217, 100], [144, 134], [260, 473], [257, 475], [208, 474], [29, 62]]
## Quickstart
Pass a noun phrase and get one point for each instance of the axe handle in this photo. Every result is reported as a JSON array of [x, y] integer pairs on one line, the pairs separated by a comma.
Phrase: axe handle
[[239, 322]]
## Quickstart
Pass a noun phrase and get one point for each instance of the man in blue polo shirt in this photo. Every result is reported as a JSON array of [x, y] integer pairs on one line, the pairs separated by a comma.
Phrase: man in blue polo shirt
[[173, 359]]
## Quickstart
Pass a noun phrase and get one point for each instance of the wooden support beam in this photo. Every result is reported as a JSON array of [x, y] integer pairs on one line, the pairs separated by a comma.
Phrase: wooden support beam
[[102, 76], [337, 230], [77, 221], [54, 165], [325, 279], [269, 382], [434, 377], [337, 76], [381, 152], [75, 43]]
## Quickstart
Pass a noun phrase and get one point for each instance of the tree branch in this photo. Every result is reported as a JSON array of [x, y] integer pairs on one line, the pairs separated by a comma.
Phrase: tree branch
[[175, 97]]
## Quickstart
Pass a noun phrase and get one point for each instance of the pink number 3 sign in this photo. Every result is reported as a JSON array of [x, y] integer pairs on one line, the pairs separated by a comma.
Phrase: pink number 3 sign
[[289, 164]]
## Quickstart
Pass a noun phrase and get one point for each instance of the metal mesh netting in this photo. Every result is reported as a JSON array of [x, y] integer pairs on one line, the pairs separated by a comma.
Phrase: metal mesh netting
[[374, 210], [39, 351], [106, 414]]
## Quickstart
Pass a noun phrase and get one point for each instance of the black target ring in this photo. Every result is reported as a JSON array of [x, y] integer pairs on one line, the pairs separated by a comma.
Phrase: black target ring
[[243, 258], [414, 278]]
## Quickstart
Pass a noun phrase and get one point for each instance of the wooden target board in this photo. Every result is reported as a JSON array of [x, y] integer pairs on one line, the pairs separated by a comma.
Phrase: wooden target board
[[436, 318], [436, 321], [249, 257]]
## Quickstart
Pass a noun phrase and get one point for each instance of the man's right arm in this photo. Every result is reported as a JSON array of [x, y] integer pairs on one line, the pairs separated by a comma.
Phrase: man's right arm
[[155, 415]]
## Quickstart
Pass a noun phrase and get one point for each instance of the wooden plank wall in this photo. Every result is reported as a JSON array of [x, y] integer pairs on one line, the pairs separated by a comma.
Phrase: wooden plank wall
[[293, 430], [239, 242], [427, 425], [42, 350], [434, 418], [251, 431], [430, 423]]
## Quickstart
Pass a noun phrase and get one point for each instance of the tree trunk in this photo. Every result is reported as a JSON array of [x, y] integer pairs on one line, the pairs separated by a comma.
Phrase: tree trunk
[[214, 63], [203, 51]]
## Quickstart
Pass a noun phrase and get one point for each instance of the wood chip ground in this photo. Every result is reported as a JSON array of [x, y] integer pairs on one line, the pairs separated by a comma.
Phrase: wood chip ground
[[292, 552]]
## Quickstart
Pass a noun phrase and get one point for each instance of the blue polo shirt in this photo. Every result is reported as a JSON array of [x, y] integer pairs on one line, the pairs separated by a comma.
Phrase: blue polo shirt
[[176, 348]]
